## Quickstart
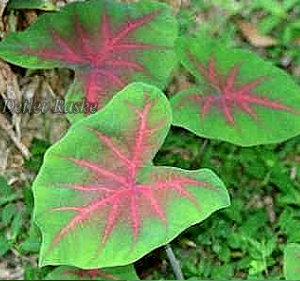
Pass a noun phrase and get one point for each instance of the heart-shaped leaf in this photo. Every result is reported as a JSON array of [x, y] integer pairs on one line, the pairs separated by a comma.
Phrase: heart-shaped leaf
[[73, 273], [292, 262], [108, 44], [100, 202], [238, 97]]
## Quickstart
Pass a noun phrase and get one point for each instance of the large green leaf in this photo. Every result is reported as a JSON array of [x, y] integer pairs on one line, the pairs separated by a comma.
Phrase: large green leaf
[[292, 261], [100, 202], [47, 5], [237, 97], [73, 273], [108, 44]]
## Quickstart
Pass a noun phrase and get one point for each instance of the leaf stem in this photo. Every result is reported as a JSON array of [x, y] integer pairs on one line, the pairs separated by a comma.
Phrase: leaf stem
[[203, 147], [174, 263]]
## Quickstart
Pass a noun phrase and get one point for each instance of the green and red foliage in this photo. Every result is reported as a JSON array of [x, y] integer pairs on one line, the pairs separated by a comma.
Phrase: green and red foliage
[[238, 97], [99, 200], [108, 45], [100, 203]]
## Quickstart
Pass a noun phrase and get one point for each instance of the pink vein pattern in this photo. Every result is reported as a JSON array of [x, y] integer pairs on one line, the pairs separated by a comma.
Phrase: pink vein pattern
[[117, 194], [107, 61], [226, 93]]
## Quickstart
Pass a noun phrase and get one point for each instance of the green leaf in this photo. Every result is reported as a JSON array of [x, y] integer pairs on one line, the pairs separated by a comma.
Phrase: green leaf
[[223, 272], [274, 7], [8, 213], [4, 245], [289, 4], [232, 102], [292, 261], [108, 44], [47, 5], [73, 273], [267, 24], [33, 242], [289, 224], [100, 202], [16, 225], [4, 187], [6, 193], [38, 149]]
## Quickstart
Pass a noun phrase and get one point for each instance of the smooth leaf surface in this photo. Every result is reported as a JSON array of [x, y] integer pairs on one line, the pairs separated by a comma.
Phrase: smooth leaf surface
[[237, 97], [292, 261], [108, 44], [73, 273], [100, 202], [47, 5]]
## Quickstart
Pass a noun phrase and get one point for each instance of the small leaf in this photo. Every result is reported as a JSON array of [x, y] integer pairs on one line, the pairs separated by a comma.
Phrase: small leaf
[[100, 202], [37, 150], [6, 194], [16, 225], [292, 261], [238, 97], [276, 8], [4, 246], [8, 213], [108, 44], [4, 187], [73, 273], [33, 242]]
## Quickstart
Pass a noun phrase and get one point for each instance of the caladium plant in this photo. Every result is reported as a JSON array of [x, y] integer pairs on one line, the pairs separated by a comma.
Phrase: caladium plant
[[292, 261], [108, 44], [47, 5], [237, 97], [99, 200], [73, 273]]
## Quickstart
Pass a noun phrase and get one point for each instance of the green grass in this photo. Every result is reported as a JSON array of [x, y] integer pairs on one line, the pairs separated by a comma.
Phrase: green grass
[[246, 240]]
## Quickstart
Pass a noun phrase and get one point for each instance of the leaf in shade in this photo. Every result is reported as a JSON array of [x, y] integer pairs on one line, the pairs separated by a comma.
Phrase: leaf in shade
[[100, 202], [292, 261], [108, 44], [237, 96], [73, 273]]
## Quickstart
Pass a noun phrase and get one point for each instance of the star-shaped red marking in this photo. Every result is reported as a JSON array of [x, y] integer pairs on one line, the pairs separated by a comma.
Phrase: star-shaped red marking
[[226, 93], [106, 61], [117, 194]]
